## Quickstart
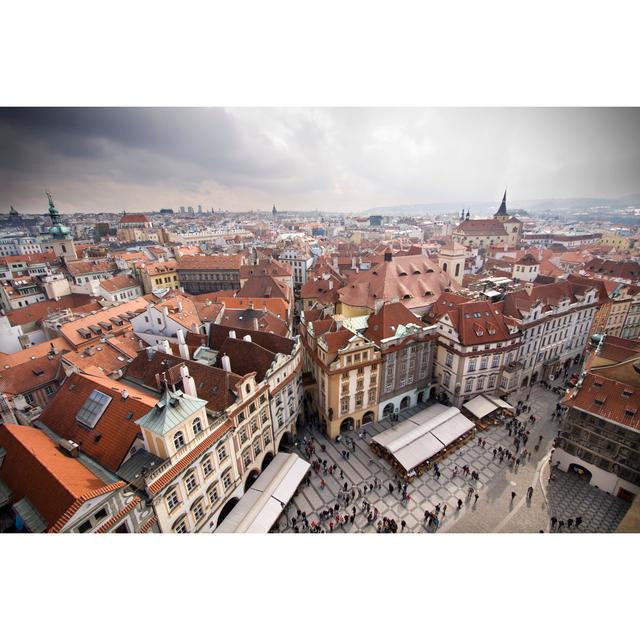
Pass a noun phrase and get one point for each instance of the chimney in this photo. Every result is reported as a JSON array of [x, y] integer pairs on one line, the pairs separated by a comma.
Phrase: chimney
[[179, 305], [188, 383], [226, 363], [182, 345], [165, 311], [140, 345], [165, 347], [247, 338], [335, 262], [330, 285], [250, 304], [353, 262], [232, 334], [124, 394], [256, 327]]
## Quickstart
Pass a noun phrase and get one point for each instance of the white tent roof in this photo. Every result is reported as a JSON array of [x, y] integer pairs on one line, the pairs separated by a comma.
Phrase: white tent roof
[[262, 504], [448, 431], [482, 406], [420, 437]]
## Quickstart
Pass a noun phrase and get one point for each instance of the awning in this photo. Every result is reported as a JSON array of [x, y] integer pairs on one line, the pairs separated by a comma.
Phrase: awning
[[482, 406], [264, 501], [452, 429], [30, 516], [423, 435]]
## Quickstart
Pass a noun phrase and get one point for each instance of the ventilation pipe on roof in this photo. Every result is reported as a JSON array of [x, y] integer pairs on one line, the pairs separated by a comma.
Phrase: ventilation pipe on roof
[[232, 334], [247, 338], [182, 345], [188, 383], [226, 363]]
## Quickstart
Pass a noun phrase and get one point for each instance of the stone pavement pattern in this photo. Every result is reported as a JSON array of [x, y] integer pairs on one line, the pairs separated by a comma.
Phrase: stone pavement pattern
[[494, 510], [570, 496]]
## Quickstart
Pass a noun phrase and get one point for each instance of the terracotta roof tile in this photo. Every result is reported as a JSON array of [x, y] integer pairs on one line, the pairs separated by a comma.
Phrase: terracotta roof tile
[[35, 468], [115, 432]]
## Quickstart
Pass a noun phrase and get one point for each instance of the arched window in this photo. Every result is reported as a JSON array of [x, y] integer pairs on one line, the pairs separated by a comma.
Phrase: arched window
[[197, 426], [444, 267], [178, 440], [247, 388], [458, 269]]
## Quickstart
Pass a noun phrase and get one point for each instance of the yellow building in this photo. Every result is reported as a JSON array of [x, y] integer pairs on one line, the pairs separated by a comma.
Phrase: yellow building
[[619, 243], [159, 275], [346, 369]]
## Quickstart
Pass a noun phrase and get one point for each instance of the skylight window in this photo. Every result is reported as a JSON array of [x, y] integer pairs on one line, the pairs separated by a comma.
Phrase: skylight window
[[93, 408]]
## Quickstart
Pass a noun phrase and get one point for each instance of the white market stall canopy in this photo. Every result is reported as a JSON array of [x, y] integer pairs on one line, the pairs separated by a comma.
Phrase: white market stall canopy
[[482, 406], [423, 435], [264, 501]]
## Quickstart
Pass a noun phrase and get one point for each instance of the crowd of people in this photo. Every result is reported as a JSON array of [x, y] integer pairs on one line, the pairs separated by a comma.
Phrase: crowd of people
[[353, 499]]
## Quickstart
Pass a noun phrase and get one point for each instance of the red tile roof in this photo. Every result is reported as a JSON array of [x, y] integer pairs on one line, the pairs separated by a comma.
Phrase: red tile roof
[[198, 263], [118, 283], [35, 468], [115, 432], [385, 323]]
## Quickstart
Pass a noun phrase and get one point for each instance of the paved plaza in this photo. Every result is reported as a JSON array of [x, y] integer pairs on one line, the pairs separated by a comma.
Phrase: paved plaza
[[494, 510], [570, 496]]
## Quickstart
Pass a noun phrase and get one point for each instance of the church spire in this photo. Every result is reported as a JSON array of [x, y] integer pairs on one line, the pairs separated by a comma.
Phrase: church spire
[[53, 212], [502, 211]]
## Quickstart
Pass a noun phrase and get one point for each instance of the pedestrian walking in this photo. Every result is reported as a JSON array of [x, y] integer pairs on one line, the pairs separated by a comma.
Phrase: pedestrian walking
[[560, 524], [322, 483], [570, 523], [459, 504], [578, 522], [403, 524], [513, 495], [476, 498], [529, 493], [444, 510]]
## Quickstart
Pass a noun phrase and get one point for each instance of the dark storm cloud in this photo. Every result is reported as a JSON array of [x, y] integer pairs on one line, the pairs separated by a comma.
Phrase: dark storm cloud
[[341, 159]]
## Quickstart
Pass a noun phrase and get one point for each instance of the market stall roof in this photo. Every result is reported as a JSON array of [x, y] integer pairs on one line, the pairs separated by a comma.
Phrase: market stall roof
[[482, 406], [262, 504], [415, 440], [453, 428]]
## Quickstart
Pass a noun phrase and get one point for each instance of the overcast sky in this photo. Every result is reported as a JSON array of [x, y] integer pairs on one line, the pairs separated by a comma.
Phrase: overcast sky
[[329, 159]]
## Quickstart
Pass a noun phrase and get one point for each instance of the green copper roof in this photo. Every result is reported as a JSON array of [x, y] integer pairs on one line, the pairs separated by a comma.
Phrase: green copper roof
[[173, 408]]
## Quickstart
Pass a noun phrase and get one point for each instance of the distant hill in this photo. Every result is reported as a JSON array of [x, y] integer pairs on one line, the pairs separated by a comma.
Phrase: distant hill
[[491, 207]]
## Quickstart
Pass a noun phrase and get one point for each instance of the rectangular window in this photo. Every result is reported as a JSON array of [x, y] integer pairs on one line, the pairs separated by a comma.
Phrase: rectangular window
[[344, 405], [480, 384], [446, 378], [495, 361], [181, 527], [207, 467], [472, 364], [468, 385], [242, 434], [257, 448], [449, 360], [172, 500], [191, 482], [198, 511], [212, 494], [50, 389], [246, 458], [222, 453], [226, 480]]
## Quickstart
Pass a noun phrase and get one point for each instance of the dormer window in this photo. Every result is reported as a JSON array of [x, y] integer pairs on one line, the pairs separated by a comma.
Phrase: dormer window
[[197, 426], [178, 440]]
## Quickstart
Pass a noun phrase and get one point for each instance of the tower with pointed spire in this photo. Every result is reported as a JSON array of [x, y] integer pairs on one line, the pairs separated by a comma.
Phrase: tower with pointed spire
[[502, 209], [61, 239], [512, 225]]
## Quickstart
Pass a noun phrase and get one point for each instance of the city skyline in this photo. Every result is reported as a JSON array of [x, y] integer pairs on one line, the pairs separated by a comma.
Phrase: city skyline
[[343, 159]]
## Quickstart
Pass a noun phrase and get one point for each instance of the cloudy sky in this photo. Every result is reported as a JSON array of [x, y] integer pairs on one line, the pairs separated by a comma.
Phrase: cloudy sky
[[346, 159]]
